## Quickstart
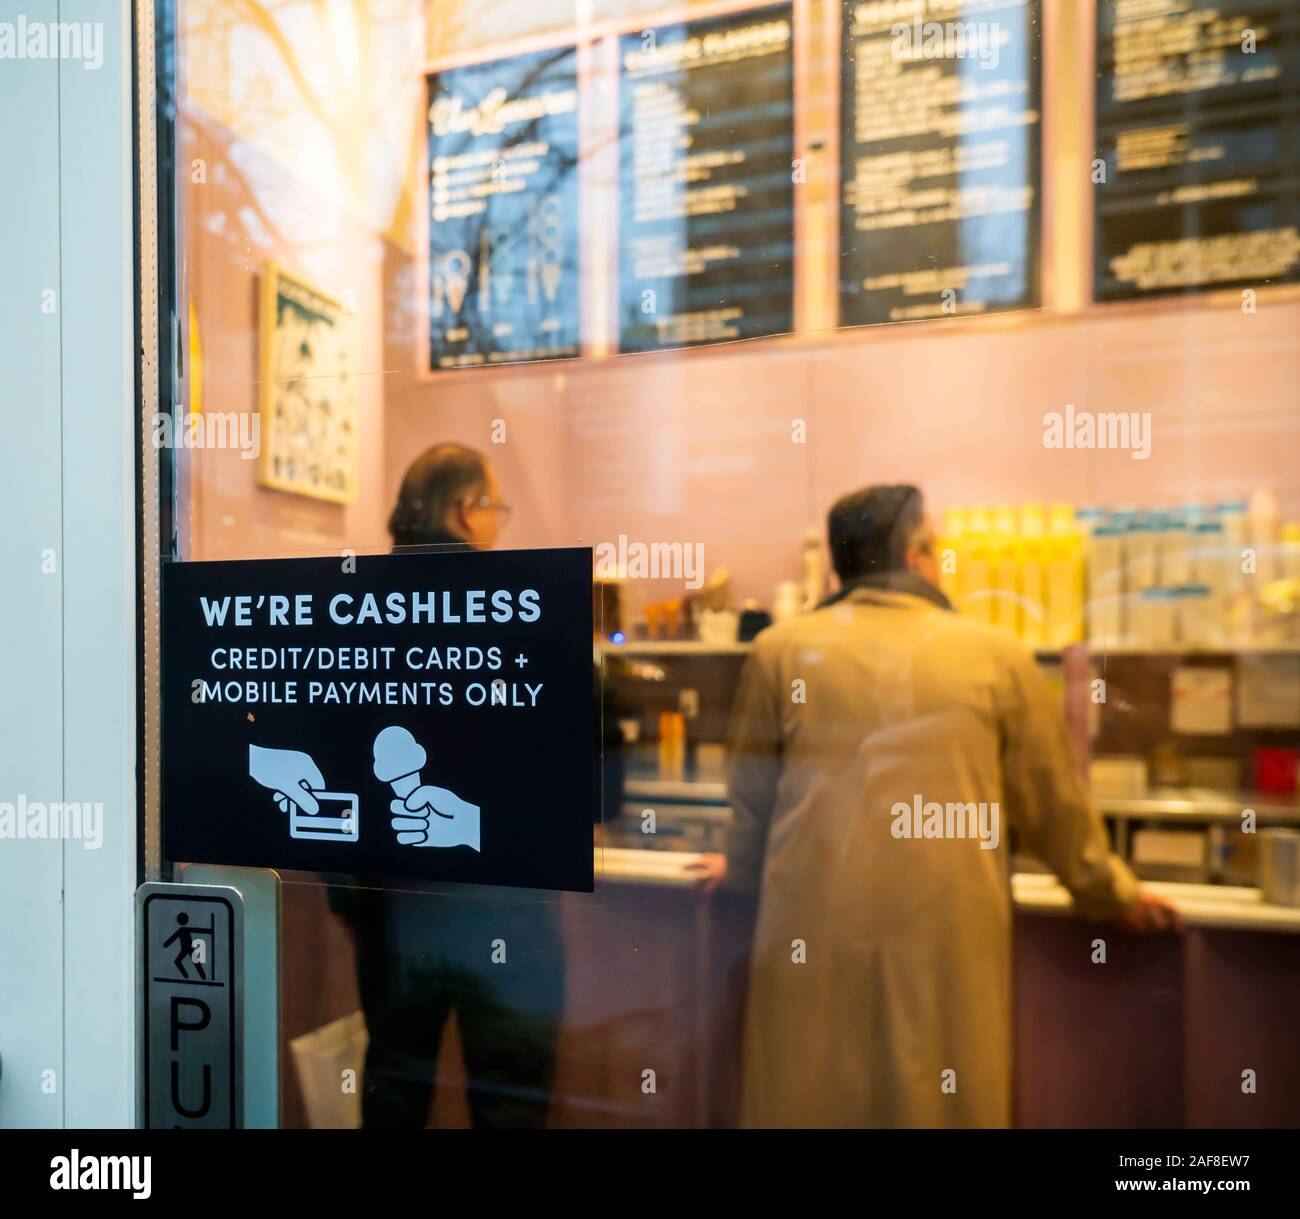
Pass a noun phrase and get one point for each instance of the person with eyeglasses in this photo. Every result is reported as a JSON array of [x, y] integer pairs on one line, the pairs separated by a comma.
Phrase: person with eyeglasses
[[449, 496], [424, 957]]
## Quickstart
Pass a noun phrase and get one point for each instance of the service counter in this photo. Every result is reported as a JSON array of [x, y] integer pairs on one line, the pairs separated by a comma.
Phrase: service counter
[[656, 970]]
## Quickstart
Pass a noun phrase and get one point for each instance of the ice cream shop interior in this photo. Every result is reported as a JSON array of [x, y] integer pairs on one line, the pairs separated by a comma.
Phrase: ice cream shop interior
[[692, 287]]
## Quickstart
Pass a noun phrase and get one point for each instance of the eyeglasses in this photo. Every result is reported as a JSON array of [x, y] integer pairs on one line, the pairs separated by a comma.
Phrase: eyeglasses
[[486, 501]]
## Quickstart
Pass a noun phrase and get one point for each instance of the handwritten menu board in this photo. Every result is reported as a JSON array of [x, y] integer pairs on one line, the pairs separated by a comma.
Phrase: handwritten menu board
[[706, 181], [503, 211], [1198, 139], [939, 159]]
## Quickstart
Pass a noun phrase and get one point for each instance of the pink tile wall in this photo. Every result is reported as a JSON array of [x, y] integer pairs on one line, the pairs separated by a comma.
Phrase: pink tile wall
[[698, 446]]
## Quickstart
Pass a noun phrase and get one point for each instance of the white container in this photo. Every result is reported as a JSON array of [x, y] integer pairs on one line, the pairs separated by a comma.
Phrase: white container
[[1139, 557], [1279, 866], [1105, 587], [1155, 617], [1261, 530], [1208, 555], [1175, 553], [1118, 776], [1198, 622], [718, 627], [1232, 517]]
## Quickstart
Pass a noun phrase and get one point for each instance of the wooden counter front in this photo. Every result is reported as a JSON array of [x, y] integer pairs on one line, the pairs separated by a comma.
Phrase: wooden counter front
[[656, 977]]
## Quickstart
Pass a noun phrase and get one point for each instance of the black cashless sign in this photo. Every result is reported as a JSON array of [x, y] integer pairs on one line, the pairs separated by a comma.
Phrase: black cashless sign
[[406, 716]]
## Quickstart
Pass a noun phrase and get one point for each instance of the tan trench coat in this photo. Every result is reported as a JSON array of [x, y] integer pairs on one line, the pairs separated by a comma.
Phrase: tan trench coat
[[900, 1013]]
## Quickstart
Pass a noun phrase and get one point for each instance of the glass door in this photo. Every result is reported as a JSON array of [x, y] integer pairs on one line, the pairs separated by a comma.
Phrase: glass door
[[924, 394]]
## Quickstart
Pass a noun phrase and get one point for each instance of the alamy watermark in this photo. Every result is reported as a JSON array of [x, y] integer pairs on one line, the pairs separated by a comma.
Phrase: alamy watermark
[[70, 40], [128, 1174], [1071, 429], [956, 819], [917, 39], [35, 819], [651, 561], [240, 430]]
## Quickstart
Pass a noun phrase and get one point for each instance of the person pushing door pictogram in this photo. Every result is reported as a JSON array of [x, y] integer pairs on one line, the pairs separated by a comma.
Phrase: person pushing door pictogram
[[195, 952]]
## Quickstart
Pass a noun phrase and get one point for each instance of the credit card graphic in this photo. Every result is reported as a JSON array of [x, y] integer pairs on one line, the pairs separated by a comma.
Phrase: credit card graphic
[[337, 820]]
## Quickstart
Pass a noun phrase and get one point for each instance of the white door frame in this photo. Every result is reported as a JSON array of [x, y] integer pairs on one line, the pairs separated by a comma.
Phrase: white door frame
[[68, 552]]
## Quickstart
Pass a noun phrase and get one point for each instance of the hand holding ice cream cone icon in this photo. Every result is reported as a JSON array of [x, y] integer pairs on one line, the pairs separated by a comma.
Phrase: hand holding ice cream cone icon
[[423, 815]]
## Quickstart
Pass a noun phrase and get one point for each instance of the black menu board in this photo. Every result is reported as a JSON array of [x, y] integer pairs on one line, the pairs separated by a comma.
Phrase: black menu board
[[706, 181], [940, 123], [1197, 184], [503, 211]]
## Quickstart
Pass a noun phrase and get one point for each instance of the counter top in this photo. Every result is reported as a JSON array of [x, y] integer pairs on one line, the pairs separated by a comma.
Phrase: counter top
[[1225, 907], [1221, 907], [696, 647], [669, 869], [1197, 804]]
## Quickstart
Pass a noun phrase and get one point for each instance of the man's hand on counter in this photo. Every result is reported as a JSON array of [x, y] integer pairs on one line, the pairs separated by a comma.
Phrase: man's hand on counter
[[1151, 914], [711, 869]]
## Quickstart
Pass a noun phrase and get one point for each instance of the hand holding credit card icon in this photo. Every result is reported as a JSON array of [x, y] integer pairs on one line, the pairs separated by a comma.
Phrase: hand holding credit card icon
[[299, 789]]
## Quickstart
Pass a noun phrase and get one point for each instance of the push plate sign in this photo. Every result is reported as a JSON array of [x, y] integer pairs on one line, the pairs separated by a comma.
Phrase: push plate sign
[[191, 1005], [413, 716]]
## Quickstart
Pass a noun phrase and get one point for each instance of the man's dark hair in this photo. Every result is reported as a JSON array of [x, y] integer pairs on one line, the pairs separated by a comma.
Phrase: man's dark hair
[[435, 483], [869, 531]]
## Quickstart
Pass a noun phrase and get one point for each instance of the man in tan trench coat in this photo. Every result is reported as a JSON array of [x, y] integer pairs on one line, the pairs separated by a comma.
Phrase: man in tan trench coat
[[866, 736]]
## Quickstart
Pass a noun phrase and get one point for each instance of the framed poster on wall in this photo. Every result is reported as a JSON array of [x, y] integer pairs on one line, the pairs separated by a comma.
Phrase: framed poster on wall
[[503, 283], [1198, 137], [940, 152], [307, 401], [706, 181]]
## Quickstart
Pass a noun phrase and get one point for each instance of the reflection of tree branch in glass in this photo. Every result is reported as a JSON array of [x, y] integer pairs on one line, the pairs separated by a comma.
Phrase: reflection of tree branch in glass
[[503, 200]]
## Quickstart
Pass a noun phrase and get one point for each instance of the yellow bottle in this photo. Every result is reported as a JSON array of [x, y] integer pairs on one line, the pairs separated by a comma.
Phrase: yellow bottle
[[949, 556], [1033, 575], [1064, 578], [1005, 571], [977, 563]]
